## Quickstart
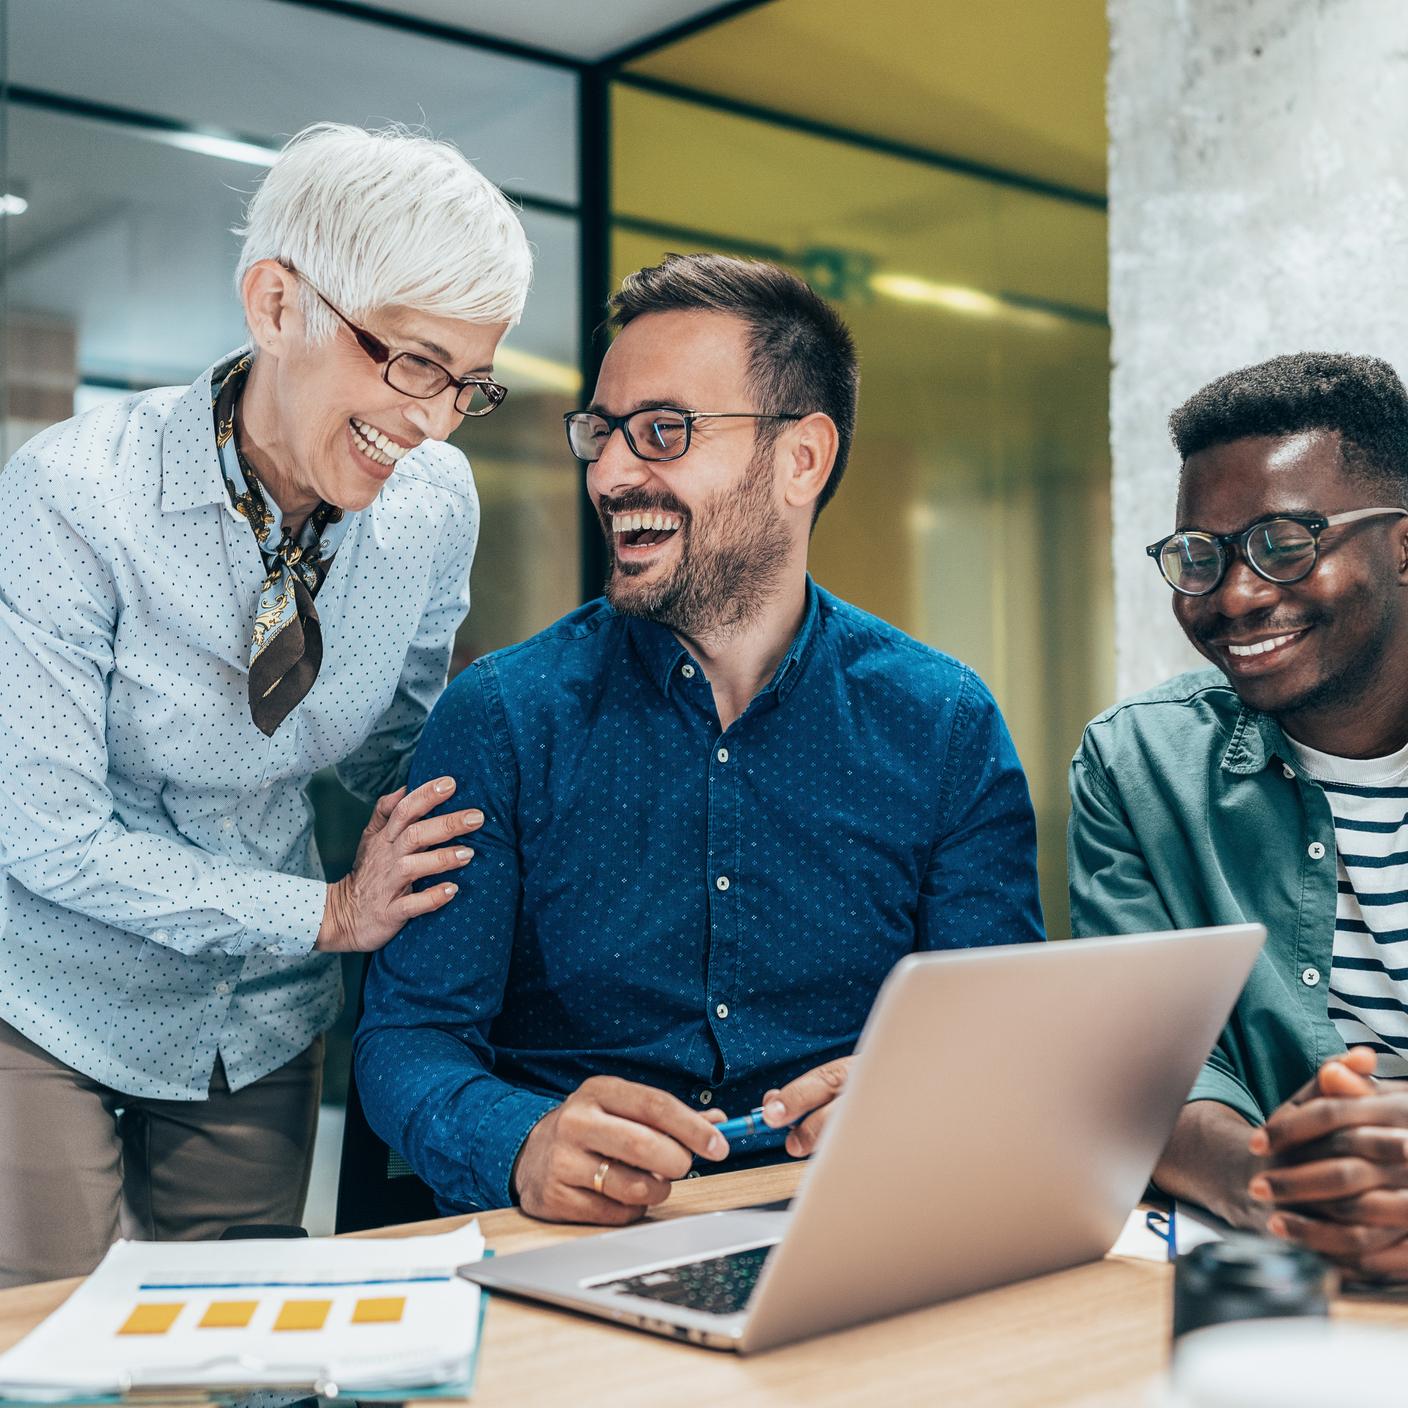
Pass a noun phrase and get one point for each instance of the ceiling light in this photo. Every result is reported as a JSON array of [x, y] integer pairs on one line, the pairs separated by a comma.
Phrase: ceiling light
[[959, 298], [208, 144], [11, 204]]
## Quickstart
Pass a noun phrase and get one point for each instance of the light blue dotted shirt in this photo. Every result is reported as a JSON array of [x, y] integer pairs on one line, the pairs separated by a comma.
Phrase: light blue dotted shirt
[[159, 884], [707, 913]]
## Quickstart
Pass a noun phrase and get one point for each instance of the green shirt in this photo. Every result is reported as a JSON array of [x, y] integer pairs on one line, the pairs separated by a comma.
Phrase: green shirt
[[1187, 808]]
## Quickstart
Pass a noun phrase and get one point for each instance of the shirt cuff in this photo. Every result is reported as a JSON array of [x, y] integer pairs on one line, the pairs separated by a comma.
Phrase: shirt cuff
[[279, 914], [496, 1141], [1213, 1084]]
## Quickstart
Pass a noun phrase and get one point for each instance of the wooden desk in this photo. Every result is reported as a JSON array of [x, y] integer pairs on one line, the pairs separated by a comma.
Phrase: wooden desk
[[1092, 1337]]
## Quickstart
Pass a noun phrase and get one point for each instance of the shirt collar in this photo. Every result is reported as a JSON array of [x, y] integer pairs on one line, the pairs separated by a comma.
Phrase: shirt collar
[[1256, 740], [190, 464], [664, 657]]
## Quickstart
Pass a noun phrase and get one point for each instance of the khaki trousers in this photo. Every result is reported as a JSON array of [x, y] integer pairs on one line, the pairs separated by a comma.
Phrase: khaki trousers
[[82, 1164]]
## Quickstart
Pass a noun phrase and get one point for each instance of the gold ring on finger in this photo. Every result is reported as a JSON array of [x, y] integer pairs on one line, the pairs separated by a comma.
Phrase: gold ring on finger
[[599, 1177]]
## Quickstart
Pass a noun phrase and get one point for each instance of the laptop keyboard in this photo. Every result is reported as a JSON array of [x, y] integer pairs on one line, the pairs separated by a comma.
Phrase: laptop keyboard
[[719, 1285]]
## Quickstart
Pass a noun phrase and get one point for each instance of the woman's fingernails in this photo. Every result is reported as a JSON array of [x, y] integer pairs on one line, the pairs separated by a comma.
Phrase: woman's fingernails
[[464, 854], [1277, 1226], [472, 818], [775, 1112], [451, 890], [1260, 1189], [445, 784], [717, 1147], [1259, 1143]]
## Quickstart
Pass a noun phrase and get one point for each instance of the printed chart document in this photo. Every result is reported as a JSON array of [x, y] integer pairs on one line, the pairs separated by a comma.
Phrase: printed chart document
[[335, 1316]]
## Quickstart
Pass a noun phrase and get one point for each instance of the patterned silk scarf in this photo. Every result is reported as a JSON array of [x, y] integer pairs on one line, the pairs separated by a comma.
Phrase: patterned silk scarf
[[287, 649]]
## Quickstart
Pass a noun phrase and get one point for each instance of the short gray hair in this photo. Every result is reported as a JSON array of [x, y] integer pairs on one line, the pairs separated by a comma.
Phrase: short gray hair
[[388, 217]]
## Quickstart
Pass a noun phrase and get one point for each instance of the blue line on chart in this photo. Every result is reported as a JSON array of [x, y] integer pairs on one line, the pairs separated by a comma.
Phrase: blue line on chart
[[284, 1285]]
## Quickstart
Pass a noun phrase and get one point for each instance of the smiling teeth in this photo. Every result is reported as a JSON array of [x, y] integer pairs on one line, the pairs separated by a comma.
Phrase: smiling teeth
[[1261, 647], [374, 444], [645, 522]]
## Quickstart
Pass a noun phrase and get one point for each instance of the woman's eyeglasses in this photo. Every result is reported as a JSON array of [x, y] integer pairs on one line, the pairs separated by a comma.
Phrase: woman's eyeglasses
[[418, 376]]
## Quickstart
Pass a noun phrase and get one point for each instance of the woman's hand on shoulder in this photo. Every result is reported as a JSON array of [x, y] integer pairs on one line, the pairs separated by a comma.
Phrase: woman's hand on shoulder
[[368, 906]]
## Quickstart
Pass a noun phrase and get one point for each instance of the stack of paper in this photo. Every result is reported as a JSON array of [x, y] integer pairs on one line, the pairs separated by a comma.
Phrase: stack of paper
[[348, 1315]]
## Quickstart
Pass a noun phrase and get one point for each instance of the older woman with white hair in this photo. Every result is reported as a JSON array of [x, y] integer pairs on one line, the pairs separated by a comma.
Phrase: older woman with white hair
[[207, 594]]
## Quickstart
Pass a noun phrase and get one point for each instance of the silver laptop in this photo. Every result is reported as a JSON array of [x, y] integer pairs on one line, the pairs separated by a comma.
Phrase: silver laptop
[[1003, 1116]]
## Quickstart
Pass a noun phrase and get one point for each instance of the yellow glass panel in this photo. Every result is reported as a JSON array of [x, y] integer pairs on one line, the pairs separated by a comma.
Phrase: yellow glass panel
[[975, 511], [303, 1315], [152, 1318], [228, 1314], [1008, 83], [379, 1310]]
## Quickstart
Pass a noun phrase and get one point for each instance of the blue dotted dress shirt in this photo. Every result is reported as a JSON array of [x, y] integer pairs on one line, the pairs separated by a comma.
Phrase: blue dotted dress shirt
[[707, 913]]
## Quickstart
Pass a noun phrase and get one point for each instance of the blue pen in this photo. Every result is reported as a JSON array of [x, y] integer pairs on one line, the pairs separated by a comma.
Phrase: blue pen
[[751, 1123]]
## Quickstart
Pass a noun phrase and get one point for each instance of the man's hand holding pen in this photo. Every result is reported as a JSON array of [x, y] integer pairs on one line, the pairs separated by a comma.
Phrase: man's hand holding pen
[[801, 1107]]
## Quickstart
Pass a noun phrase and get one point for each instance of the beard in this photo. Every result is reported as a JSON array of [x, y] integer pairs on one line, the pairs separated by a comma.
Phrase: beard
[[732, 552]]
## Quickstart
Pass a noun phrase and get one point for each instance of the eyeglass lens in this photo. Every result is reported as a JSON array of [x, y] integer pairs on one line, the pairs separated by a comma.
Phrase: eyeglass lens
[[417, 376], [653, 434], [1281, 550]]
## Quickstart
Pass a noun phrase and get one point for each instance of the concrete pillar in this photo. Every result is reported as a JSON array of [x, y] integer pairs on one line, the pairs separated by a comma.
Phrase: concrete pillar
[[1258, 205]]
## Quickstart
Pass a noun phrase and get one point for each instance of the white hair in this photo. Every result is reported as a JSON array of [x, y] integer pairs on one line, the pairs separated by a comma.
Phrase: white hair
[[387, 217]]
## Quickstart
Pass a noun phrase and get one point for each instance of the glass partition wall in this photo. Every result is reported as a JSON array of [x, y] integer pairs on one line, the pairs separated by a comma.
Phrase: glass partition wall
[[134, 134], [131, 134], [981, 459]]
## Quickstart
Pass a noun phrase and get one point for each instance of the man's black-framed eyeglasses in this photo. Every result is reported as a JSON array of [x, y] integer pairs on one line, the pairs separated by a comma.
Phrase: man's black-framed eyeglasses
[[1281, 548], [657, 433], [414, 375]]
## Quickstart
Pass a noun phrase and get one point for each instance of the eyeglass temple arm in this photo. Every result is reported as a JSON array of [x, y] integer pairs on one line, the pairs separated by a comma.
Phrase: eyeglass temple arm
[[1355, 514]]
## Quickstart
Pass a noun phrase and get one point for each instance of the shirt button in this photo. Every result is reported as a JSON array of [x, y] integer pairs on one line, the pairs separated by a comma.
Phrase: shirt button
[[721, 883], [273, 948], [693, 1173], [161, 936], [706, 1097], [1315, 851], [1310, 977], [1287, 770], [722, 755], [222, 988], [228, 824], [687, 671], [721, 1011]]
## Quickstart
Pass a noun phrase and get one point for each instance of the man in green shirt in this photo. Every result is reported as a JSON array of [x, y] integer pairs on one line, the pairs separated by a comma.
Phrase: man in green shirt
[[1275, 789]]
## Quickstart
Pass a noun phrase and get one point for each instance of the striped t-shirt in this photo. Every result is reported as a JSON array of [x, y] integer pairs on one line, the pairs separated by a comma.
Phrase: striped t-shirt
[[1369, 973]]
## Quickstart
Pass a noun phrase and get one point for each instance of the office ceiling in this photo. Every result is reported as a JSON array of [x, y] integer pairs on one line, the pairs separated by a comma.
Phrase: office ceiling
[[568, 27]]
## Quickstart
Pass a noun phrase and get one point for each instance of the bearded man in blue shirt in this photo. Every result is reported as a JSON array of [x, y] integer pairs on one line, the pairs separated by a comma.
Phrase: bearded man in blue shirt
[[719, 805]]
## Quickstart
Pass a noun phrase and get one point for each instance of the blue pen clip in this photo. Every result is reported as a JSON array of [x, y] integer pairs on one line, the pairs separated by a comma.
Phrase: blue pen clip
[[1161, 1224]]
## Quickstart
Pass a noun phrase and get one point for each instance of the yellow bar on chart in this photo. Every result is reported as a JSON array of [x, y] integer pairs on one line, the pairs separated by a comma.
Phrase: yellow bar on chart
[[228, 1314], [303, 1315], [379, 1310], [152, 1318]]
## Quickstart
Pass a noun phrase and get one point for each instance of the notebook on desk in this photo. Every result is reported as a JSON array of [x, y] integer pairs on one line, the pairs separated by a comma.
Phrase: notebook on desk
[[1003, 1116]]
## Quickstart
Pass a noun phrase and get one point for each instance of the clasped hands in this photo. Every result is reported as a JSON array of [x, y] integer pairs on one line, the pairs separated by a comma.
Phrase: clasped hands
[[1335, 1173], [608, 1153]]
